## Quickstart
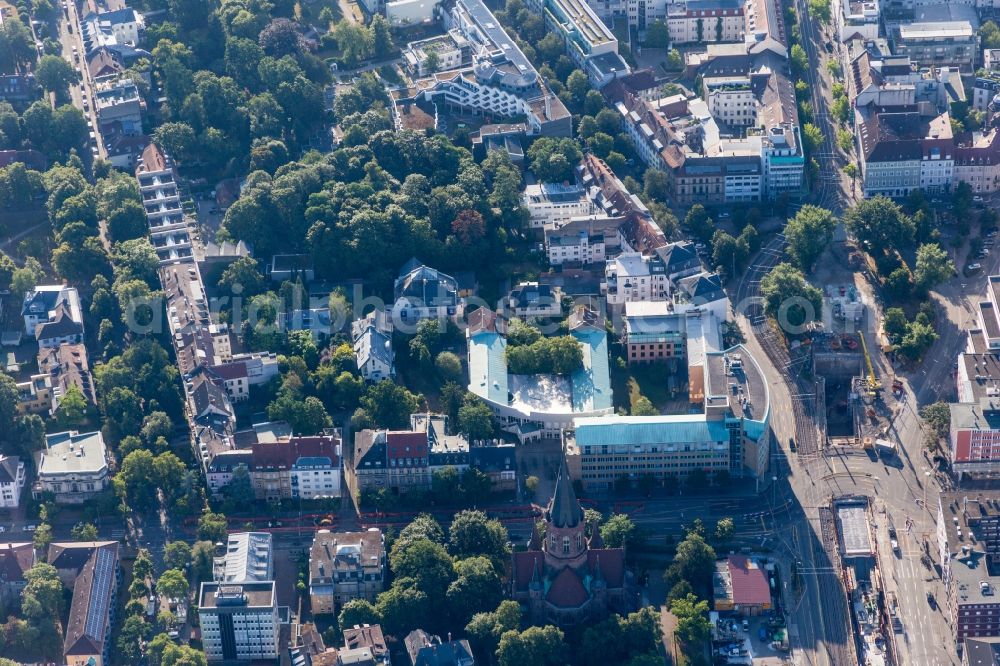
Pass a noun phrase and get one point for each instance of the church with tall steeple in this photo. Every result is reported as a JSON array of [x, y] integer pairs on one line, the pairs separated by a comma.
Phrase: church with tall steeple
[[564, 577]]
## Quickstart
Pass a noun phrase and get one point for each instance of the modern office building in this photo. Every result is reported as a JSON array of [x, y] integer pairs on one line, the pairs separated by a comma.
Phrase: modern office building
[[497, 80], [589, 42], [534, 406], [239, 621], [730, 433]]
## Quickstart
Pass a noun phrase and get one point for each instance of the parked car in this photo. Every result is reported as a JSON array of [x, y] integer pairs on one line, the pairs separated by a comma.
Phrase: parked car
[[977, 199], [973, 267]]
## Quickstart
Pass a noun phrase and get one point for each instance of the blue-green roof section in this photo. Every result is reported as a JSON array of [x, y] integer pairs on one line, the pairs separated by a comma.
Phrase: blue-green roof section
[[673, 429], [592, 383], [488, 366]]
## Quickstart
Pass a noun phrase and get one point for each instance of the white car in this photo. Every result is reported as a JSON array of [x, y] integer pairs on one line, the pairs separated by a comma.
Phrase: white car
[[30, 528], [2, 529], [977, 199], [973, 267]]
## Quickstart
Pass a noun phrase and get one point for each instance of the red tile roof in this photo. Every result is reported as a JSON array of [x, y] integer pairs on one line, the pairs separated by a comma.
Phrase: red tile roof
[[15, 559], [567, 590], [612, 562], [402, 444], [524, 567], [282, 455], [230, 371], [750, 586]]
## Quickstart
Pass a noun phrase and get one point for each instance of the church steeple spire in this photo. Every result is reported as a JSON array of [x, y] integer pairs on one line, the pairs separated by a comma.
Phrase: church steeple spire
[[564, 509]]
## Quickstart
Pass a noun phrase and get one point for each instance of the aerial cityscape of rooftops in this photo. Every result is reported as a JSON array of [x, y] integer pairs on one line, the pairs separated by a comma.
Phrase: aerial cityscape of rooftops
[[499, 332]]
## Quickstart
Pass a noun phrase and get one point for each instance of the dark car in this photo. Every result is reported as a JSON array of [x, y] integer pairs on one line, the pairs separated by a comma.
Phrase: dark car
[[931, 601]]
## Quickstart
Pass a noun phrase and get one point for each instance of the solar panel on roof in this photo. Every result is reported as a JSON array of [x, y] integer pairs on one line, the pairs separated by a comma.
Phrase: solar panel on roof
[[100, 594]]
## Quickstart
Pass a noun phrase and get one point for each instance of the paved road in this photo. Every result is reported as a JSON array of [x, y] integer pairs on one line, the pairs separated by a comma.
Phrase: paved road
[[69, 40]]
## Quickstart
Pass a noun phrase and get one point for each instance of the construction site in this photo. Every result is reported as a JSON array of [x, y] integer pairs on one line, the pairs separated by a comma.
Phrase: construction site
[[855, 413]]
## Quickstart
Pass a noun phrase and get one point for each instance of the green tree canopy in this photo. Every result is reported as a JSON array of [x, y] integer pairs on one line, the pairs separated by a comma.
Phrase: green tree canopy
[[789, 297], [808, 235]]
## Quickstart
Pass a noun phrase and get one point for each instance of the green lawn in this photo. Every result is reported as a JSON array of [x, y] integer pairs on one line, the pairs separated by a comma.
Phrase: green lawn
[[663, 386]]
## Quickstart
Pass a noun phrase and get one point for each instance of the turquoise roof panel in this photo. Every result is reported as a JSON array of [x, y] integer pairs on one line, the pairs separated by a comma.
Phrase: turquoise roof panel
[[592, 383], [647, 430], [488, 367]]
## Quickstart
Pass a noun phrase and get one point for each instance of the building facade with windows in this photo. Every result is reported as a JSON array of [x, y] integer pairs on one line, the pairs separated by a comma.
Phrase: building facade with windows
[[12, 479], [345, 566], [72, 466], [239, 621], [730, 435]]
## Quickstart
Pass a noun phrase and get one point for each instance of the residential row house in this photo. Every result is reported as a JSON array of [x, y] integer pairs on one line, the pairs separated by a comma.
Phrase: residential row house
[[91, 570], [345, 566], [906, 140], [280, 465], [739, 142]]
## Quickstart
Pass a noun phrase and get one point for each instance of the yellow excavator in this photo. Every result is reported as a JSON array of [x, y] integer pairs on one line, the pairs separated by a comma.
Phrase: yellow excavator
[[874, 387]]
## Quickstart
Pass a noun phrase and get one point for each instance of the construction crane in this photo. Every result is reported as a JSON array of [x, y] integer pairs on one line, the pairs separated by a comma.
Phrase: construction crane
[[873, 384]]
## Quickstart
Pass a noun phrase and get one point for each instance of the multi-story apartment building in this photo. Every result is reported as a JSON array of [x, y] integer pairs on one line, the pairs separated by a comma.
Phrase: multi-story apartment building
[[438, 54], [500, 82], [395, 460], [968, 536], [585, 229], [857, 19], [581, 241], [161, 199], [15, 560], [731, 99], [701, 21], [589, 42], [551, 205], [237, 373], [117, 100], [52, 315], [424, 293], [984, 90], [111, 28], [937, 44], [633, 276], [73, 467], [12, 479], [345, 566], [373, 353], [67, 366], [977, 161], [296, 468], [239, 621], [35, 395], [705, 158], [901, 151]]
